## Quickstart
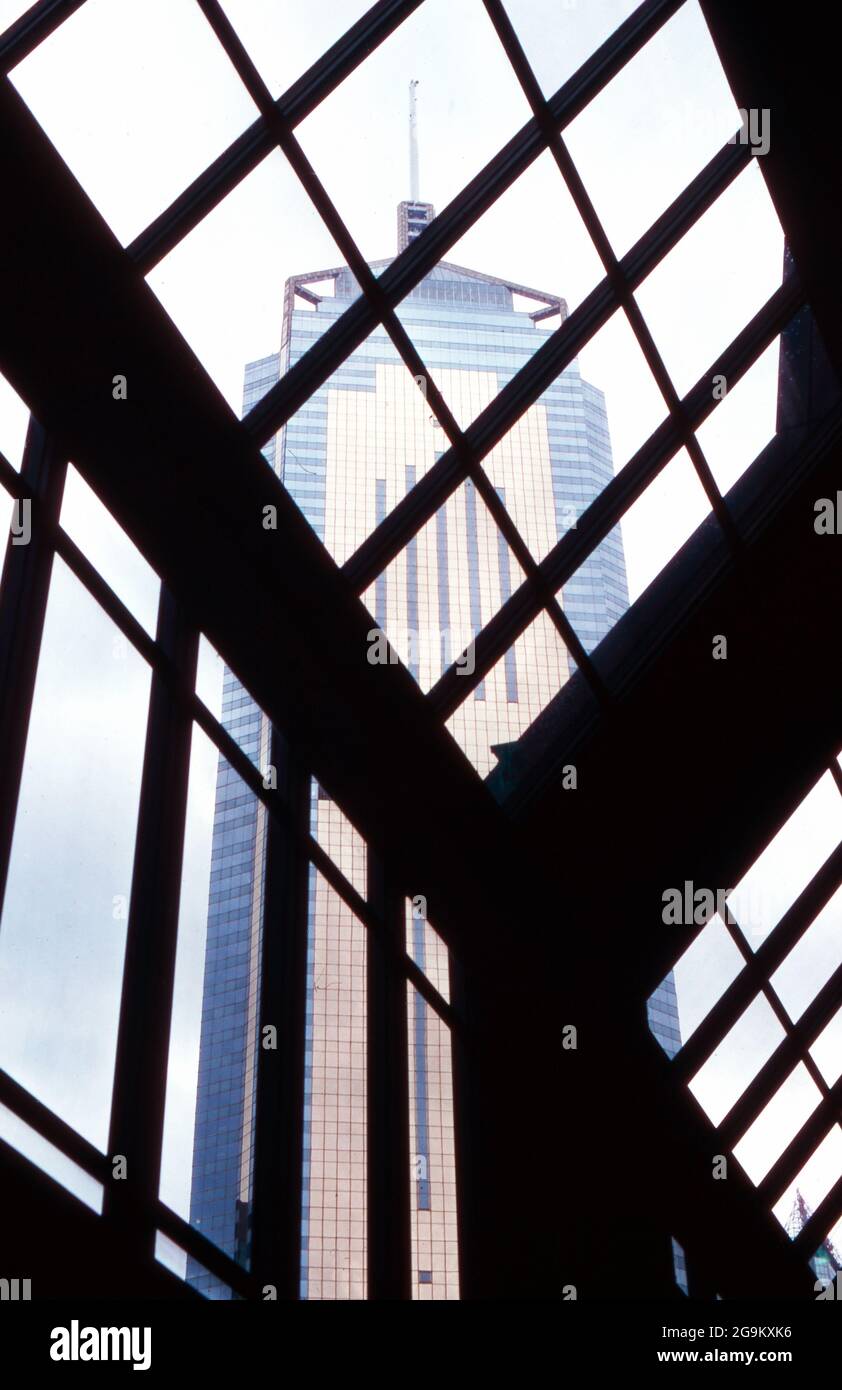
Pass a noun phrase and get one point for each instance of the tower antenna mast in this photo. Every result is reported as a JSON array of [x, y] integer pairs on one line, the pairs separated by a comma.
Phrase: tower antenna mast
[[414, 187]]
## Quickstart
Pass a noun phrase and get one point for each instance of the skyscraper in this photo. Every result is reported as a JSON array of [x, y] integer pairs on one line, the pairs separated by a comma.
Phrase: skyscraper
[[357, 447]]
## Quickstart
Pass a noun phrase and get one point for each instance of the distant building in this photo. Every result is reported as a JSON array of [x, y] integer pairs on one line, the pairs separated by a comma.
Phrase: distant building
[[357, 447]]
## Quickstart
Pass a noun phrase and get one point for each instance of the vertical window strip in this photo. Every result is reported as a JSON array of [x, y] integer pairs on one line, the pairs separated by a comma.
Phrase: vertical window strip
[[412, 588], [380, 582], [510, 663], [473, 569]]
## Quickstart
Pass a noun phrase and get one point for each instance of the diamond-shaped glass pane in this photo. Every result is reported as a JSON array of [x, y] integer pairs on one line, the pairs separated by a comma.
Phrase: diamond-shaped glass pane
[[138, 98], [656, 125]]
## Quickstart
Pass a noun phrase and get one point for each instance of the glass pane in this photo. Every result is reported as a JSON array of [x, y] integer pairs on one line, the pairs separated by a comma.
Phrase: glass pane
[[656, 526], [511, 696], [812, 960], [371, 108], [716, 279], [435, 1249], [334, 1199], [558, 36], [109, 550], [737, 1059], [14, 420], [647, 134], [652, 531], [744, 420], [704, 972], [231, 704], [826, 1051], [61, 954], [777, 1124], [263, 232], [123, 91], [176, 1260], [210, 673], [624, 399], [441, 590], [207, 1168], [781, 873], [284, 38], [50, 1160]]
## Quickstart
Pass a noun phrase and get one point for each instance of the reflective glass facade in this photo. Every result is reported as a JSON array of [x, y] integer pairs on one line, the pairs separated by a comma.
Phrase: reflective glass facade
[[363, 440]]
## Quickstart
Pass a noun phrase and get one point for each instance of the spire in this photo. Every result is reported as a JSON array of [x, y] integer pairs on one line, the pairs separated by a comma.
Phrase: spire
[[414, 187], [413, 215]]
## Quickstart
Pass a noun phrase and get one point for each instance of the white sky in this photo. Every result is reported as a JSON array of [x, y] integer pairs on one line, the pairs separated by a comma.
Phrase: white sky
[[137, 119]]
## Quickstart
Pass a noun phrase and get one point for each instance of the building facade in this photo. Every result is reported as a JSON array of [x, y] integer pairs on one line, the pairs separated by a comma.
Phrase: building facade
[[347, 458]]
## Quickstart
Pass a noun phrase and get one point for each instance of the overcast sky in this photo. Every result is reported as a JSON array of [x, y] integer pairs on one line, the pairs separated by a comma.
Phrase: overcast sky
[[136, 119]]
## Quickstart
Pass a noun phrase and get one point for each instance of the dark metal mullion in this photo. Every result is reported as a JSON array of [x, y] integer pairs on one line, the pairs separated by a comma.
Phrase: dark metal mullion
[[9, 477], [324, 76], [786, 1023], [416, 366], [35, 25], [425, 252], [281, 131], [789, 1164], [52, 1128], [498, 635], [563, 345], [778, 1010], [403, 522], [245, 153], [521, 151], [167, 671], [96, 1165], [203, 1250], [389, 1242], [533, 378], [279, 1118], [90, 577], [201, 197], [243, 766], [634, 477], [245, 769], [24, 592], [531, 568], [141, 1067], [573, 642], [760, 965], [821, 1223], [613, 55], [798, 1039], [588, 213], [604, 512]]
